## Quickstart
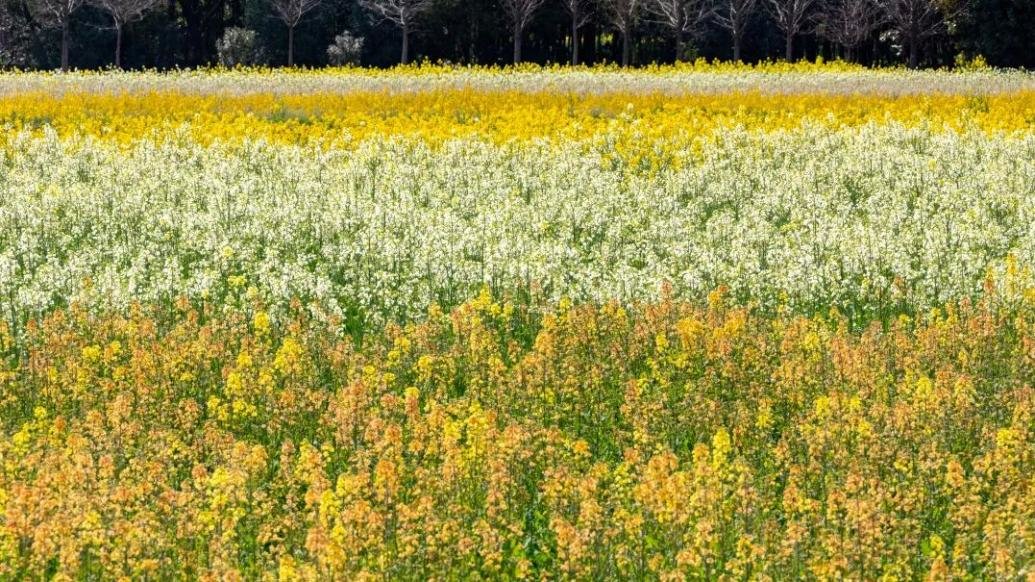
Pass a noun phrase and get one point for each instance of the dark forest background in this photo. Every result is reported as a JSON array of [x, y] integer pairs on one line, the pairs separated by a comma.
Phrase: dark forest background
[[185, 33]]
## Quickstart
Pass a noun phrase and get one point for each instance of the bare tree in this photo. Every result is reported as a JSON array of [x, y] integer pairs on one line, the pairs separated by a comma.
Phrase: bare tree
[[57, 14], [915, 20], [623, 15], [790, 16], [734, 16], [683, 17], [402, 13], [124, 12], [520, 13], [580, 13], [291, 12], [848, 22]]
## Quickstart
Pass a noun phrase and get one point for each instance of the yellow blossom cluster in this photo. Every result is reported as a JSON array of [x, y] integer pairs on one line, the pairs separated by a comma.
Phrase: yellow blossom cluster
[[666, 440], [498, 116]]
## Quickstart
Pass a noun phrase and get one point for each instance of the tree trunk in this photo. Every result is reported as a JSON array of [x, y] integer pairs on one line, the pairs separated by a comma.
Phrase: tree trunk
[[118, 46], [736, 48], [914, 52], [170, 37], [789, 49], [64, 44], [679, 46], [236, 11], [594, 42], [626, 49], [405, 57], [574, 39], [194, 18], [291, 46], [517, 44]]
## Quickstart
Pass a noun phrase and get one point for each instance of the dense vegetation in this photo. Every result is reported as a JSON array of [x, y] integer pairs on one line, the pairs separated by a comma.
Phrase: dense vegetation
[[677, 323], [664, 441]]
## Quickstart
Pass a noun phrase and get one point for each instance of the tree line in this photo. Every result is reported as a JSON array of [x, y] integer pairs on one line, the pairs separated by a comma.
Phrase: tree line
[[165, 34]]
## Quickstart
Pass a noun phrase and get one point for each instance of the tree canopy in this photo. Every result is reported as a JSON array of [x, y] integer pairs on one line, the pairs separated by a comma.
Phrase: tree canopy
[[49, 34]]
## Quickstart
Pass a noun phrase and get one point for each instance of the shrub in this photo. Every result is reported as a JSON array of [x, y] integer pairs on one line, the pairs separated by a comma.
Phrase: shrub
[[346, 49], [237, 47]]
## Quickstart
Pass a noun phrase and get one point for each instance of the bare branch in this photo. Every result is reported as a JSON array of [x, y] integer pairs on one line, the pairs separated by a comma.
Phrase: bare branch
[[623, 15], [123, 12], [54, 13], [580, 12], [734, 16], [685, 16], [520, 12], [791, 17], [848, 22], [922, 17], [402, 13], [682, 17], [290, 12], [912, 21]]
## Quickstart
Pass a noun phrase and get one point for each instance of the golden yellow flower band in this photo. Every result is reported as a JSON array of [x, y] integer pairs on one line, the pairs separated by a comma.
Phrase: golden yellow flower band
[[215, 445], [498, 116]]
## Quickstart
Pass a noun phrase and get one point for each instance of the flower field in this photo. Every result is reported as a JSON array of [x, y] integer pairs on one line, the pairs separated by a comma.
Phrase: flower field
[[694, 322]]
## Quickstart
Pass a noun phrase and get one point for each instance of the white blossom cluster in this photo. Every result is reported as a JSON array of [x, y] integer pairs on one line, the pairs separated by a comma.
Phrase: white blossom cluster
[[576, 81], [858, 219]]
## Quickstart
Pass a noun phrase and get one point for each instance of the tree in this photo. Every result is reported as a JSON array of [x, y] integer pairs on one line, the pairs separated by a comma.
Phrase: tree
[[734, 16], [914, 20], [291, 12], [520, 13], [402, 13], [848, 22], [683, 17], [1000, 30], [57, 14], [623, 15], [200, 24], [790, 16], [16, 35], [124, 12], [579, 11]]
